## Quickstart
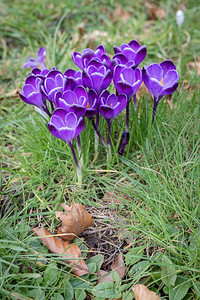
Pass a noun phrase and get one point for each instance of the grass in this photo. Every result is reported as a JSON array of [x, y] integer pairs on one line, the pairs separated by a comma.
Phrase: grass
[[157, 181]]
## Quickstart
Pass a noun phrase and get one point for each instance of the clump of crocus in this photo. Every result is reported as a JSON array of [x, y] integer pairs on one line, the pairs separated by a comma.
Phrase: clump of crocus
[[67, 98], [39, 62], [160, 80]]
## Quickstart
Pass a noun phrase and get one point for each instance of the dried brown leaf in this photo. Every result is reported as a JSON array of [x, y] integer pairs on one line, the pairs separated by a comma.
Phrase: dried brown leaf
[[119, 14], [70, 254], [118, 266], [74, 222], [155, 12], [103, 276], [141, 292]]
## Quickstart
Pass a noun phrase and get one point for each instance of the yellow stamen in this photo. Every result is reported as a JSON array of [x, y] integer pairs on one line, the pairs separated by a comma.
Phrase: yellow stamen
[[162, 82], [88, 105], [111, 105]]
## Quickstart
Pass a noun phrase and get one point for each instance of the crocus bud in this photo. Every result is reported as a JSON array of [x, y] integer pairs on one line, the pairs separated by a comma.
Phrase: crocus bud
[[180, 17]]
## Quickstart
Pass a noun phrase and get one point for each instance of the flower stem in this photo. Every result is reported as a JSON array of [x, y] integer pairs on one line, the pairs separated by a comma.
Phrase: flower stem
[[78, 169], [127, 116], [98, 133], [135, 101], [79, 151], [96, 137], [109, 153], [109, 132], [155, 103]]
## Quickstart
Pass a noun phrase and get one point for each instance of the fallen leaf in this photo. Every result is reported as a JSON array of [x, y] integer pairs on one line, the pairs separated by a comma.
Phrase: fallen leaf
[[70, 254], [154, 12], [119, 14], [74, 222], [141, 292], [117, 265], [103, 276]]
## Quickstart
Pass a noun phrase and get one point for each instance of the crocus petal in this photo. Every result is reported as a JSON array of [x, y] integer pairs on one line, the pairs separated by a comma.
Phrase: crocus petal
[[166, 66], [116, 75], [155, 88], [171, 77], [59, 80], [36, 99], [106, 111], [112, 100], [57, 121], [70, 73], [61, 103], [87, 80], [78, 110], [106, 81], [28, 89], [117, 49], [97, 79], [121, 58], [134, 45], [80, 126], [25, 99], [54, 131], [100, 50], [170, 90], [66, 134], [31, 63], [71, 120], [80, 91], [129, 53], [60, 112], [76, 57], [128, 75], [49, 84], [155, 71], [140, 55], [70, 97], [124, 88]]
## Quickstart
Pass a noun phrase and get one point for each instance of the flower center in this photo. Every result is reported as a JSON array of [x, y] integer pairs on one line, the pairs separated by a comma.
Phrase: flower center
[[111, 105], [162, 82], [88, 105]]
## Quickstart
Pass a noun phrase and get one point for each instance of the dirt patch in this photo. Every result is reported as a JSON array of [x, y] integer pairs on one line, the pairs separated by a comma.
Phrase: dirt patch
[[105, 236]]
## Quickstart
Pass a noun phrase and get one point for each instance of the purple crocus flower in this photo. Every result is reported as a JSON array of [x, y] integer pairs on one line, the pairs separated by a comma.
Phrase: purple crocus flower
[[127, 81], [97, 77], [73, 79], [73, 101], [65, 125], [160, 80], [40, 73], [32, 94], [111, 106], [83, 60], [92, 104], [131, 54], [39, 62], [54, 82]]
